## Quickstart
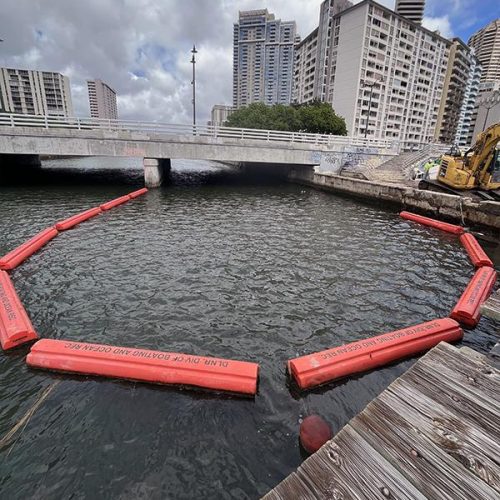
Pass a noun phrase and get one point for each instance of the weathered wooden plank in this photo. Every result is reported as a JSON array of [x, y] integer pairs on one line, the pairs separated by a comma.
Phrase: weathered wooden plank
[[469, 388], [491, 308], [494, 356], [447, 393], [457, 436], [478, 379], [434, 433], [291, 487], [348, 467], [425, 465], [467, 351], [443, 350]]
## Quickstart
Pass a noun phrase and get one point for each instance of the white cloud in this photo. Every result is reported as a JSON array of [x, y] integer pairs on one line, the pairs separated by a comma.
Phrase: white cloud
[[139, 47], [441, 24]]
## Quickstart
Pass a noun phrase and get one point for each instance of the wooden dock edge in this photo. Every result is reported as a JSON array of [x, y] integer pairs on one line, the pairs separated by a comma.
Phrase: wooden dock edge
[[433, 433], [491, 308]]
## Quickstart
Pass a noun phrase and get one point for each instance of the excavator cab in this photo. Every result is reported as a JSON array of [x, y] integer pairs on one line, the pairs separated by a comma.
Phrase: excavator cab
[[478, 168], [494, 168]]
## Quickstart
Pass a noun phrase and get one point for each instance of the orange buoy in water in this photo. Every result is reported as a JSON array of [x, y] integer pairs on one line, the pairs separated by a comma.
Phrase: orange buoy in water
[[427, 221], [114, 203], [363, 355], [27, 249], [314, 433], [144, 365], [139, 192], [76, 219], [15, 326], [475, 251], [468, 308]]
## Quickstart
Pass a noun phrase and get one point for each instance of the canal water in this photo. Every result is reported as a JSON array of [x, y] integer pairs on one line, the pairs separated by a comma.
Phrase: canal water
[[213, 264]]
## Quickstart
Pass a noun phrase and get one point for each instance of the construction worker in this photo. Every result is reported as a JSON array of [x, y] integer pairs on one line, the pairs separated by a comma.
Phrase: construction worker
[[427, 167]]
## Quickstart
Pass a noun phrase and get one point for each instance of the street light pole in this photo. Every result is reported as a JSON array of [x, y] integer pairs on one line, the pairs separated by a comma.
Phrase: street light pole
[[369, 109], [193, 83], [367, 84]]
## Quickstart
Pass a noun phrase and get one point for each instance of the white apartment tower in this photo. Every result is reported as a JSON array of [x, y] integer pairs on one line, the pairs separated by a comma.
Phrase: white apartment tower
[[305, 68], [486, 43], [263, 56], [102, 100], [328, 9], [312, 55], [411, 9], [35, 92], [384, 74]]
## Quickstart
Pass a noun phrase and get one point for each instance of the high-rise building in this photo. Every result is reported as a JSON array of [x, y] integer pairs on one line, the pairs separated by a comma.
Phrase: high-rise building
[[466, 120], [35, 92], [102, 100], [486, 43], [328, 9], [263, 56], [305, 68], [219, 114], [411, 9], [385, 74], [457, 102]]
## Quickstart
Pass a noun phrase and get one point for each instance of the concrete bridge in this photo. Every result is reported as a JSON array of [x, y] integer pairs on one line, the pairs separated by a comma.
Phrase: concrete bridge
[[27, 136]]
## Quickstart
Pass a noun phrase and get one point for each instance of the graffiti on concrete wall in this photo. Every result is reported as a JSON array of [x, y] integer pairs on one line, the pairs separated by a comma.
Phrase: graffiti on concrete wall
[[350, 158]]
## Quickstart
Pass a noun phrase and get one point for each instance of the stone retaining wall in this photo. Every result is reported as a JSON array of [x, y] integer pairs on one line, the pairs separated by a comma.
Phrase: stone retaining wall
[[446, 206]]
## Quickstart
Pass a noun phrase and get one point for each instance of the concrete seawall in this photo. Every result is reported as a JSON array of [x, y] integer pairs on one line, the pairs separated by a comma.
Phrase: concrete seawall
[[446, 206]]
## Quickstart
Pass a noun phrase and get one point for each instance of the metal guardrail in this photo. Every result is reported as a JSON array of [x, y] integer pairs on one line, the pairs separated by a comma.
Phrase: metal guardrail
[[58, 122], [51, 122]]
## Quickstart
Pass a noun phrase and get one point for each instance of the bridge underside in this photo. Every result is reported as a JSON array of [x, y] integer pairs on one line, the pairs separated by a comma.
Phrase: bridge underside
[[157, 150]]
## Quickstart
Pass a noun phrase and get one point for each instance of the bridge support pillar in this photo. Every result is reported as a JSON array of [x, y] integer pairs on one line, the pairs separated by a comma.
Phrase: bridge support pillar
[[155, 170]]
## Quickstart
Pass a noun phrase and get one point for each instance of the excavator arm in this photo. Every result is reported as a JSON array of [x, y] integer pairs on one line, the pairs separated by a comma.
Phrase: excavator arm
[[480, 158], [478, 168]]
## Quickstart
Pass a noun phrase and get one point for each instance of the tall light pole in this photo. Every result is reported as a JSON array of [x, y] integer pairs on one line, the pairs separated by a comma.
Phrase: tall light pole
[[370, 85], [193, 83]]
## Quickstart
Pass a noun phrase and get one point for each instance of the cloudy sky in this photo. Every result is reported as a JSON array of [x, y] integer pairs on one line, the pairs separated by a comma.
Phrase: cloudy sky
[[141, 47]]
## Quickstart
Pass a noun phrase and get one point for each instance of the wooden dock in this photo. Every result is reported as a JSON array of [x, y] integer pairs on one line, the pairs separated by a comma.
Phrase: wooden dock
[[433, 433], [491, 308]]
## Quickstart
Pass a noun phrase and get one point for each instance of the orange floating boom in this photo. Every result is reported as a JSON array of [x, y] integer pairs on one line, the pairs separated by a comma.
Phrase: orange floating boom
[[114, 203], [475, 251], [76, 219], [139, 192], [467, 309], [27, 249], [325, 366], [15, 326], [144, 365], [427, 221]]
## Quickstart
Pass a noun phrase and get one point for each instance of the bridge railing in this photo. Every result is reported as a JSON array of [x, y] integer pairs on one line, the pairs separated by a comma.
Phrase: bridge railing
[[62, 122]]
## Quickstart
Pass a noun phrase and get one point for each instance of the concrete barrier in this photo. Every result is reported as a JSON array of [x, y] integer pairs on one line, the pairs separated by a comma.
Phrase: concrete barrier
[[484, 213]]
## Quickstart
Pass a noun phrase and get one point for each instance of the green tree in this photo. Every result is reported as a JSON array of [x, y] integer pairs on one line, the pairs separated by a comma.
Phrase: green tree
[[317, 117], [320, 118]]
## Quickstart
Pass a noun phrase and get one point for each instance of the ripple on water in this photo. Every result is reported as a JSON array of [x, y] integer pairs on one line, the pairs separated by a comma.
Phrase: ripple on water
[[207, 266]]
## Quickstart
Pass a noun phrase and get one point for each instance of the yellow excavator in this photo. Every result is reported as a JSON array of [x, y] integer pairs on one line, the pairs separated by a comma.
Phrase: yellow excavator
[[478, 168]]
